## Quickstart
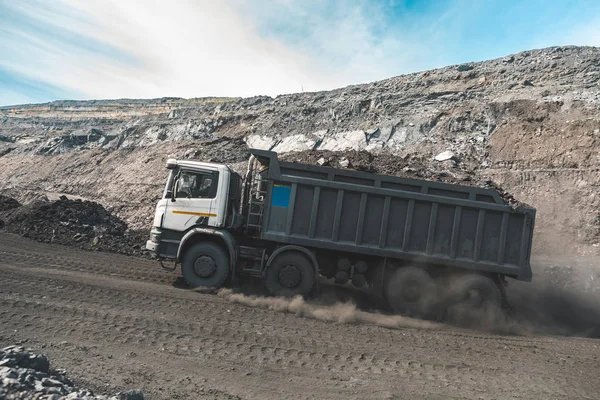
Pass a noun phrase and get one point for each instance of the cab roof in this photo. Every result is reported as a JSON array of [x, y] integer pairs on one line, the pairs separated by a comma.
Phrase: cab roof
[[173, 163]]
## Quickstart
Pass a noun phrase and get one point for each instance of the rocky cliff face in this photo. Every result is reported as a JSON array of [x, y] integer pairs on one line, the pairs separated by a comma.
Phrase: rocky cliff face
[[529, 121]]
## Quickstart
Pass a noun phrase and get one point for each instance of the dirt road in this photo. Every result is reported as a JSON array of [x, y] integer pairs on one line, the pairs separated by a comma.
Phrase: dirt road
[[117, 322]]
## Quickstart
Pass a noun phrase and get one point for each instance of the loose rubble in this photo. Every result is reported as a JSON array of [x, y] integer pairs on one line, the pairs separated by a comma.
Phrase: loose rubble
[[8, 203], [25, 375], [79, 223]]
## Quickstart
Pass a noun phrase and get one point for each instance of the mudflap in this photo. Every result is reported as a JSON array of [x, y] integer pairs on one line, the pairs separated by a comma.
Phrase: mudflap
[[168, 269], [502, 285]]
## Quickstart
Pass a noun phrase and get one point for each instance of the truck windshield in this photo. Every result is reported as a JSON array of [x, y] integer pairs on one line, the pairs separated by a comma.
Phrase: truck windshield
[[196, 185]]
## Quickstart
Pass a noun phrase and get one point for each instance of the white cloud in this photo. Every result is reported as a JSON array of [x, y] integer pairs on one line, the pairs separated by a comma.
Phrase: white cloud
[[9, 96], [351, 42], [586, 35], [197, 48], [184, 48]]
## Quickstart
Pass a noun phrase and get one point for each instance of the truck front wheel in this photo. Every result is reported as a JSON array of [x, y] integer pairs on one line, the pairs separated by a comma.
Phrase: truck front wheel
[[205, 264], [290, 274]]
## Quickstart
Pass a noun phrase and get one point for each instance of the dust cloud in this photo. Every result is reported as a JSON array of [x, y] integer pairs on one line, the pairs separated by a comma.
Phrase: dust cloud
[[560, 302], [545, 309], [341, 312]]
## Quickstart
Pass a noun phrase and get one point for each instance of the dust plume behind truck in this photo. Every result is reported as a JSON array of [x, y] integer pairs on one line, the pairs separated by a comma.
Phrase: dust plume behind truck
[[419, 244]]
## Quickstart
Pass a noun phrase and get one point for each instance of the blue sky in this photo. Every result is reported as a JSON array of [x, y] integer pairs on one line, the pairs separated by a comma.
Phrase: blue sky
[[90, 49]]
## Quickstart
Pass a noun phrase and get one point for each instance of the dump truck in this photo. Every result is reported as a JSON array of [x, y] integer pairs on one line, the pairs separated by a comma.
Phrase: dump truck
[[416, 243]]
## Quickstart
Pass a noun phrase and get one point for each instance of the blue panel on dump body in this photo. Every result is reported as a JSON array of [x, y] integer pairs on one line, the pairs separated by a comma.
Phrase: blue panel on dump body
[[281, 196]]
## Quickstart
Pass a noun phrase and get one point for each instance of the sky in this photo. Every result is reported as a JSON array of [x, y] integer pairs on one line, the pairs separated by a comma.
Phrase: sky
[[106, 49]]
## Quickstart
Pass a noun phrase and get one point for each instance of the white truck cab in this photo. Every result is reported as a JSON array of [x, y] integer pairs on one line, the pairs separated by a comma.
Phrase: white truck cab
[[196, 194]]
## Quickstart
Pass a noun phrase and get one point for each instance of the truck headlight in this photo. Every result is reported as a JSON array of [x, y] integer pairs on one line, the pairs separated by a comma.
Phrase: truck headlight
[[155, 235]]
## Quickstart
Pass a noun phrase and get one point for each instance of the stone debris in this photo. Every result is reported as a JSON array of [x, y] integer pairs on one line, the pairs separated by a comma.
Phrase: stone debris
[[25, 375], [444, 156], [344, 162]]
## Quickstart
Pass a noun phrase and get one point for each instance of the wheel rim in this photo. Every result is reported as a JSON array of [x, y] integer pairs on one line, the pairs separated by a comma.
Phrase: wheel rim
[[205, 266], [412, 291], [475, 297], [290, 276]]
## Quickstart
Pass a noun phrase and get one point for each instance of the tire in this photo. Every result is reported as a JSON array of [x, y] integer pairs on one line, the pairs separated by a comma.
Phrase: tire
[[361, 267], [359, 280], [412, 291], [474, 291], [290, 274], [205, 265], [344, 264], [342, 277]]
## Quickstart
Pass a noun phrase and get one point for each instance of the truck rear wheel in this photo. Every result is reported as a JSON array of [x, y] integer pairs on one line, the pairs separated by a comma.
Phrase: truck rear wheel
[[205, 264], [412, 291], [290, 274], [471, 295], [475, 291]]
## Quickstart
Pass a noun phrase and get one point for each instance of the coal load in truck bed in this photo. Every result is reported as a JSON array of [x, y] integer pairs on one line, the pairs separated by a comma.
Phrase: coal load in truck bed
[[78, 223], [413, 166]]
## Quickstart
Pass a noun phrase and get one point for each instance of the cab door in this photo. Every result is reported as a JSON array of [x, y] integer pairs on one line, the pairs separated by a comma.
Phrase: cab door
[[194, 195]]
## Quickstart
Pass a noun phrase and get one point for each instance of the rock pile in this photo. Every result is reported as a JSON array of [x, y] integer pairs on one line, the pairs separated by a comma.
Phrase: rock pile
[[83, 224], [25, 375], [8, 203]]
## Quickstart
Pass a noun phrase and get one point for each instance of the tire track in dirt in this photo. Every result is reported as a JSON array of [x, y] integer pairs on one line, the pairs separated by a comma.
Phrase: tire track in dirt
[[185, 306], [212, 326], [135, 269], [225, 343]]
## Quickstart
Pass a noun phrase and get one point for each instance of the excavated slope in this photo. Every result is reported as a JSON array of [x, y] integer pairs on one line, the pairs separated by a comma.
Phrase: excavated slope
[[529, 121]]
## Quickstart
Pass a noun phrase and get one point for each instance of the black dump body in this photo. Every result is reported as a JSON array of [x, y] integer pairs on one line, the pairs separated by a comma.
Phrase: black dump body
[[397, 218]]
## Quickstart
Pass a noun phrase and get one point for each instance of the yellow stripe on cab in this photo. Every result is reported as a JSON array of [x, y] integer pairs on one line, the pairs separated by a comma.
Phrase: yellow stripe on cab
[[197, 214]]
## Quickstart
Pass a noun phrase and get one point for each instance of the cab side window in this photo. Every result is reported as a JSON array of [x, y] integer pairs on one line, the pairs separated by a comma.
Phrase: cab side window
[[196, 185]]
